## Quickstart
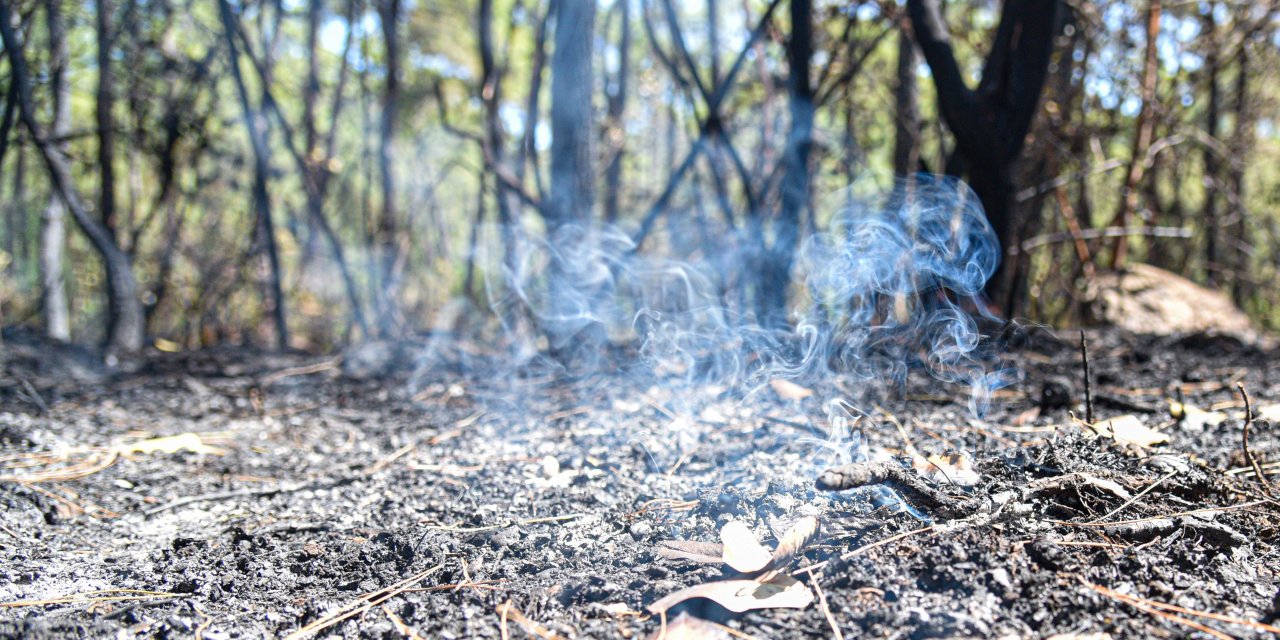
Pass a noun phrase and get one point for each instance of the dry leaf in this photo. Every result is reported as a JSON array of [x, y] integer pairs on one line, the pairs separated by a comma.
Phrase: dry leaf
[[1270, 412], [793, 541], [687, 627], [783, 592], [788, 390], [702, 552], [951, 468], [1128, 429], [741, 549], [1194, 417], [171, 444]]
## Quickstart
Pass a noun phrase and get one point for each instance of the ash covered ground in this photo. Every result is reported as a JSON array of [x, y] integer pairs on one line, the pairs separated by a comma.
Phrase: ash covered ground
[[308, 495]]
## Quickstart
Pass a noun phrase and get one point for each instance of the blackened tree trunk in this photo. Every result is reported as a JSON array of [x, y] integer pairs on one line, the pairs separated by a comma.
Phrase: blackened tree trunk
[[261, 167], [1212, 173], [53, 229], [388, 246], [105, 121], [128, 322], [776, 276], [617, 107], [990, 123], [572, 192], [906, 97]]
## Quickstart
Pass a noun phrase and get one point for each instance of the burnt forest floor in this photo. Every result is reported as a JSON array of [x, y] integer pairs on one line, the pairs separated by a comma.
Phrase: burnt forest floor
[[304, 494]]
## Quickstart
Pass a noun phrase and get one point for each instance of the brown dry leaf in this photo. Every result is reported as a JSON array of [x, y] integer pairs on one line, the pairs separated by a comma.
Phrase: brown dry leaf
[[1128, 429], [793, 541], [702, 552], [788, 390], [783, 592], [741, 549], [687, 627]]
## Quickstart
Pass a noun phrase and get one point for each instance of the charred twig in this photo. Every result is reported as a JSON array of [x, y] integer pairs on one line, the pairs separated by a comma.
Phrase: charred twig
[[904, 481], [1088, 386], [1244, 440]]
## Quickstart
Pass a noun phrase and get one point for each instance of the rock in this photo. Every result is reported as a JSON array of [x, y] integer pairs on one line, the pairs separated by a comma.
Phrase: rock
[[1149, 300]]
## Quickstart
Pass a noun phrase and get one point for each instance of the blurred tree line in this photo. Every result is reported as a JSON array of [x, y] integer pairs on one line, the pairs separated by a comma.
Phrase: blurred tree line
[[306, 173]]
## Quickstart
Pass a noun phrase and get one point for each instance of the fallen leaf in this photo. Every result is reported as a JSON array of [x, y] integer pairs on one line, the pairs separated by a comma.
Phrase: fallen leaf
[[1193, 417], [793, 541], [741, 549], [702, 552], [1128, 429], [783, 592], [1270, 412], [687, 627], [951, 468], [788, 390], [171, 444]]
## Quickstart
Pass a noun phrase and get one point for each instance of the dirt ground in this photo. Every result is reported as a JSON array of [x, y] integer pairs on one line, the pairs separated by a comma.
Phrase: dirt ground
[[298, 495]]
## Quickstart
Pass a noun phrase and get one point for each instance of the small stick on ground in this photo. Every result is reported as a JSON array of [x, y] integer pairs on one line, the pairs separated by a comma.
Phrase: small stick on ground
[[1088, 386], [1244, 440], [904, 481], [826, 610]]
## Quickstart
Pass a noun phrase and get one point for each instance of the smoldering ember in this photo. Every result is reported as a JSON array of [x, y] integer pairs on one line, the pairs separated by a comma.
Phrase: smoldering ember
[[639, 319]]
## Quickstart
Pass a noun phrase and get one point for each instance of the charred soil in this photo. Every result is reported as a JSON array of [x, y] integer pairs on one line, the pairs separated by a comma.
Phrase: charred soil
[[230, 494]]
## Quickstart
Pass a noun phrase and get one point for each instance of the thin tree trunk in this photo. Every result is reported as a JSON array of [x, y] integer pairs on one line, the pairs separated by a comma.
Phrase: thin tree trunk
[[774, 282], [618, 106], [389, 12], [105, 121], [572, 195], [53, 230], [906, 94], [1141, 138], [1212, 173], [261, 167]]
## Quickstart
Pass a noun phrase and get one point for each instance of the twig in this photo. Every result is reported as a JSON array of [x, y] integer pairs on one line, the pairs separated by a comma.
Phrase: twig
[[509, 611], [1134, 499], [864, 549], [404, 629], [826, 610], [1179, 514], [851, 476], [1244, 440], [1088, 386], [362, 604], [317, 367], [1157, 608], [103, 595], [243, 493]]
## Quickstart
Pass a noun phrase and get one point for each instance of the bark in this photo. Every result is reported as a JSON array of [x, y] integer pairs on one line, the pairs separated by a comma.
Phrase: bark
[[572, 193], [990, 123], [127, 329], [53, 231], [261, 167]]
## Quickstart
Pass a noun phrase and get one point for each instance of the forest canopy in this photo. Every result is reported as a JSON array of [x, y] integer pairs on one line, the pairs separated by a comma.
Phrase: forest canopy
[[308, 173]]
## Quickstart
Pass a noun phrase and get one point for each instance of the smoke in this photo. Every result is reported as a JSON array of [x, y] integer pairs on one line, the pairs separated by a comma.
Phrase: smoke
[[886, 290]]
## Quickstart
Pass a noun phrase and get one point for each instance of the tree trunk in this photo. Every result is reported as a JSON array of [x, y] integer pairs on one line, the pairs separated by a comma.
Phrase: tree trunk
[[105, 121], [261, 167], [572, 195], [127, 330], [906, 97], [776, 278], [990, 123], [389, 12], [617, 109], [53, 230]]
